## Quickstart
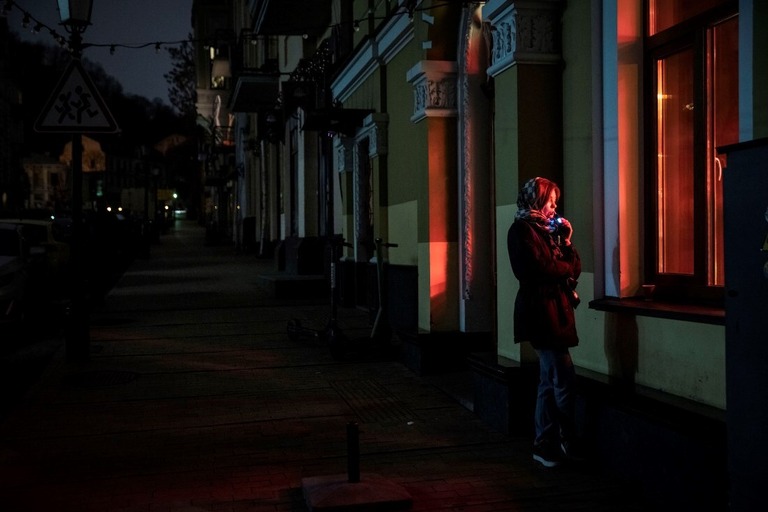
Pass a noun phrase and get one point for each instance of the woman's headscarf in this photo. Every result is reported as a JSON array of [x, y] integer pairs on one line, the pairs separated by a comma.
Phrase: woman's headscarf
[[533, 195]]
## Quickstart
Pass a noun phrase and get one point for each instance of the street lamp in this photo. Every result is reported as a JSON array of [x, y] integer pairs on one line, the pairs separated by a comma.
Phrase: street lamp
[[75, 12], [75, 17]]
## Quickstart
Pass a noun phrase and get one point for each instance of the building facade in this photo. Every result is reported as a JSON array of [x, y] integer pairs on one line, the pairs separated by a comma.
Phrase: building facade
[[12, 185], [414, 122]]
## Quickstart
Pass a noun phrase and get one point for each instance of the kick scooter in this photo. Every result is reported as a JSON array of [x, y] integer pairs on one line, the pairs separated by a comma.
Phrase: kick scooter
[[331, 334]]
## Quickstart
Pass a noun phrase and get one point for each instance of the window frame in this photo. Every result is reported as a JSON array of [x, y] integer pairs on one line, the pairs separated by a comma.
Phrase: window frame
[[689, 34]]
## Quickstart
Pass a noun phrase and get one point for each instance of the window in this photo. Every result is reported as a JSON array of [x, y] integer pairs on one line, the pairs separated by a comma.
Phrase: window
[[692, 62]]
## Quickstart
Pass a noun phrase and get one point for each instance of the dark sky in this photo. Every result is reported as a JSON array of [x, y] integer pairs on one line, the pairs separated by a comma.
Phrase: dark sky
[[128, 22]]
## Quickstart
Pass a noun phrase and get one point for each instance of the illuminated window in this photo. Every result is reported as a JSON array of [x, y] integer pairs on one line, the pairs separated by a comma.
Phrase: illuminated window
[[694, 109], [664, 14]]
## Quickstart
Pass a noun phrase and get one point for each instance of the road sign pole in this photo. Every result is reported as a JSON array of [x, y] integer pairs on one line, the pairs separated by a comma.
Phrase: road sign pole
[[76, 107], [77, 336]]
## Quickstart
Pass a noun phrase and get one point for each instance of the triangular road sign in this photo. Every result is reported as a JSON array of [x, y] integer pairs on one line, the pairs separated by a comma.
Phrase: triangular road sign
[[76, 106]]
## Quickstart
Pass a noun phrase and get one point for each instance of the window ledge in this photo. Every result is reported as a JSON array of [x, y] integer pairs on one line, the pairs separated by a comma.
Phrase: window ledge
[[670, 310]]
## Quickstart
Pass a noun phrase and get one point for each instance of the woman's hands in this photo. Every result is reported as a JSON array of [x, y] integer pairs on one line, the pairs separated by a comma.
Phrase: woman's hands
[[565, 230]]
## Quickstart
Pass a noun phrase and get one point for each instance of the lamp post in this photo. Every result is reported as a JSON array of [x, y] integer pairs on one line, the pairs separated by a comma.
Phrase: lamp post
[[75, 17]]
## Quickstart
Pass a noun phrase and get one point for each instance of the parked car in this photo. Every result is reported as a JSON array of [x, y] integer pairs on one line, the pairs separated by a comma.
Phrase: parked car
[[48, 248], [13, 273]]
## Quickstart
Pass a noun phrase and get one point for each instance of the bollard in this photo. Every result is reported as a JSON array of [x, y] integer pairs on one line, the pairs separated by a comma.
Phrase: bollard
[[353, 452]]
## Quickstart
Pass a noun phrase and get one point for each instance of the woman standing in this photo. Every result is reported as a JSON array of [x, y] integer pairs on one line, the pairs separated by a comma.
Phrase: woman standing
[[547, 267]]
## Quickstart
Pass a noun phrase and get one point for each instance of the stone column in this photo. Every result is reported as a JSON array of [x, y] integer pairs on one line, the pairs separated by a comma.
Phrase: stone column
[[527, 53], [434, 94]]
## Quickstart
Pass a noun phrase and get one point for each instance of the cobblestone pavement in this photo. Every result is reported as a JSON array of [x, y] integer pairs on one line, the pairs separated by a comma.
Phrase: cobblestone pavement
[[195, 399]]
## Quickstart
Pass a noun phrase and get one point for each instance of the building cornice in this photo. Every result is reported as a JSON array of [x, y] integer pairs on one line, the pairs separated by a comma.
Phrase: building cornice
[[524, 31], [434, 89]]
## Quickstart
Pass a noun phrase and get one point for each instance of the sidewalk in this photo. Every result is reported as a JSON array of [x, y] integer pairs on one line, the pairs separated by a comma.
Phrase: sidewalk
[[195, 399]]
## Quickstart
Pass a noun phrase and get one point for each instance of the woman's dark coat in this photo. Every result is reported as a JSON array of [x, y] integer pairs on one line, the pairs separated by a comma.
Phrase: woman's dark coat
[[544, 315]]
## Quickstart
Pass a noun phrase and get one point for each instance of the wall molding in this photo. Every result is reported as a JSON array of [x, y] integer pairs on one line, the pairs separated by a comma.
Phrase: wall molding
[[434, 89], [375, 130], [342, 149], [524, 31]]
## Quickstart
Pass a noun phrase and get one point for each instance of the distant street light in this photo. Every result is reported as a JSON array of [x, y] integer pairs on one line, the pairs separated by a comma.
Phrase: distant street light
[[76, 17]]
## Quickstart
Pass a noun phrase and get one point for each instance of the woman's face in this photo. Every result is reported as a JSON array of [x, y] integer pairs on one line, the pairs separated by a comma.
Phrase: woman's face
[[548, 210]]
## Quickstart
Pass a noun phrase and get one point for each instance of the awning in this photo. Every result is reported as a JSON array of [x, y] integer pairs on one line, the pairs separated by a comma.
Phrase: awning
[[253, 92]]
